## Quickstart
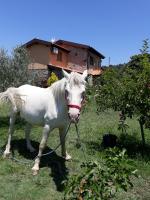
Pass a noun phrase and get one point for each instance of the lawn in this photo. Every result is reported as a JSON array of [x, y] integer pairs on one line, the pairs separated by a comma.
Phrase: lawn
[[17, 182]]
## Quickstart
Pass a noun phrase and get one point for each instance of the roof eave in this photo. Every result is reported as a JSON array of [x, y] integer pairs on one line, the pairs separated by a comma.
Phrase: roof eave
[[81, 46], [47, 43]]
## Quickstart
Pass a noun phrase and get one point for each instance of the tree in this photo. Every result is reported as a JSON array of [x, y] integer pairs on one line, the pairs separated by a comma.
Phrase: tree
[[128, 90], [14, 68], [145, 47], [141, 77], [19, 63], [5, 68]]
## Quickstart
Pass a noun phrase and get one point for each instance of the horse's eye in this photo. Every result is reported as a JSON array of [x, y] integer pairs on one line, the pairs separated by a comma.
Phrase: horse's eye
[[83, 95], [66, 93]]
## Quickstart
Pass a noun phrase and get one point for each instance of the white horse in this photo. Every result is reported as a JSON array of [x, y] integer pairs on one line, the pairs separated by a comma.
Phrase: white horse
[[52, 107]]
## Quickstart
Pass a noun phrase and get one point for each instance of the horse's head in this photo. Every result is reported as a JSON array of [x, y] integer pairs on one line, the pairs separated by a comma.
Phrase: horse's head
[[75, 93]]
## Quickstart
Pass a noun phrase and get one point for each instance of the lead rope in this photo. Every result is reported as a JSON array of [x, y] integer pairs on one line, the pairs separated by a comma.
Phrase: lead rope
[[79, 144], [45, 154], [52, 151]]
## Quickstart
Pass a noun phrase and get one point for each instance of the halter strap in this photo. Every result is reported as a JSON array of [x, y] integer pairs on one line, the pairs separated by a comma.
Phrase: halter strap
[[74, 106]]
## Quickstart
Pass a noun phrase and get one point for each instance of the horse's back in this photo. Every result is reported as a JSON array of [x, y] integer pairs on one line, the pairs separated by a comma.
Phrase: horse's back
[[30, 88], [34, 103]]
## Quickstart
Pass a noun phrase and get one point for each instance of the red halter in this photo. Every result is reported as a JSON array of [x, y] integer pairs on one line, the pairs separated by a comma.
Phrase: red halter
[[74, 106]]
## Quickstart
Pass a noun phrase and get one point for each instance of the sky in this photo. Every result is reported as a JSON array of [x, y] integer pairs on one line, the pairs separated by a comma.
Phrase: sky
[[115, 28]]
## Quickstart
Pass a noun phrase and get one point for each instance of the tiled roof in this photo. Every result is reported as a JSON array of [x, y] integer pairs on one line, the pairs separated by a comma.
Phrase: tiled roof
[[60, 42], [47, 43]]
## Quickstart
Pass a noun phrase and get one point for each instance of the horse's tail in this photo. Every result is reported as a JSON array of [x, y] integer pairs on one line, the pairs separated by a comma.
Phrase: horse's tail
[[4, 97], [10, 96]]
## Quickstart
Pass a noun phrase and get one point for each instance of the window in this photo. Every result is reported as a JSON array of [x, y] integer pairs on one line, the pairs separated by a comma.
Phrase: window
[[91, 60], [59, 56], [55, 50], [99, 63]]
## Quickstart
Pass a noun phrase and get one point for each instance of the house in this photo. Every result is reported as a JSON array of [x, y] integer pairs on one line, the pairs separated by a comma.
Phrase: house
[[82, 57], [47, 57]]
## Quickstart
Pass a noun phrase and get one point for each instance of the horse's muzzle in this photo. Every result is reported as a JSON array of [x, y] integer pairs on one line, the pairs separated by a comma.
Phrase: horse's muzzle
[[74, 118], [74, 113]]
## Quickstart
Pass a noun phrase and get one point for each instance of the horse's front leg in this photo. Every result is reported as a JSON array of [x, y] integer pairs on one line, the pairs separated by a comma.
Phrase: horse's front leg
[[42, 145], [62, 134]]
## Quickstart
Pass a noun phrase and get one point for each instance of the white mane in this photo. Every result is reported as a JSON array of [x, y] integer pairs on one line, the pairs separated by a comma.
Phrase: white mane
[[58, 87]]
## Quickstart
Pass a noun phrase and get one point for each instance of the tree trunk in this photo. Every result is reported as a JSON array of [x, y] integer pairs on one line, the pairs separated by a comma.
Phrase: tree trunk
[[142, 133]]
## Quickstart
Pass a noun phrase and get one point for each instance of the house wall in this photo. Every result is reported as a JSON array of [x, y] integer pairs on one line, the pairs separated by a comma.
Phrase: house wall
[[96, 60], [77, 58], [40, 77], [96, 68], [41, 56], [55, 62]]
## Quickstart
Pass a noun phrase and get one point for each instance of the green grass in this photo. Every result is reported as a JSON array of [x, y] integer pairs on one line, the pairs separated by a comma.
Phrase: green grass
[[17, 182]]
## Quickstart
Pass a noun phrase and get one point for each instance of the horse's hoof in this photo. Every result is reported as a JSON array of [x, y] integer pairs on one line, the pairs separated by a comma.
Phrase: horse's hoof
[[67, 157], [32, 150], [6, 154], [35, 172]]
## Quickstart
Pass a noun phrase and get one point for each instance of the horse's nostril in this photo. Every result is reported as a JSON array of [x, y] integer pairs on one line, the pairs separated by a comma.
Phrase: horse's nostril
[[69, 115], [74, 117]]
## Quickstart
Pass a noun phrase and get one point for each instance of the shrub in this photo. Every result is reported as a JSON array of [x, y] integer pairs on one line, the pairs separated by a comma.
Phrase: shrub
[[53, 78], [101, 181]]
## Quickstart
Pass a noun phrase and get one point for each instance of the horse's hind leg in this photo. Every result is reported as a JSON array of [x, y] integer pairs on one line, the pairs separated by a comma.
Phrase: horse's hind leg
[[10, 132], [27, 135]]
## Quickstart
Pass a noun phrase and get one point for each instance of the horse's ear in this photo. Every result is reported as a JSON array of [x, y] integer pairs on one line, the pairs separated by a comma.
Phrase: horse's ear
[[85, 74], [66, 75]]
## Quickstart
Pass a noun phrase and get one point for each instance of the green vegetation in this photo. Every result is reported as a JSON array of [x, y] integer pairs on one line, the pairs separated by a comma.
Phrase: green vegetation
[[101, 181], [14, 69], [53, 78], [17, 182], [128, 89], [123, 98]]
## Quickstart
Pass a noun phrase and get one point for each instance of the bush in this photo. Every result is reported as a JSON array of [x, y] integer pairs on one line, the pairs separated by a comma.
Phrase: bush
[[101, 181], [53, 78]]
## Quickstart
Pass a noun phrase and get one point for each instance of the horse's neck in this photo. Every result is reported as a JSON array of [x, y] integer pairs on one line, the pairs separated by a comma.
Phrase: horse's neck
[[58, 93]]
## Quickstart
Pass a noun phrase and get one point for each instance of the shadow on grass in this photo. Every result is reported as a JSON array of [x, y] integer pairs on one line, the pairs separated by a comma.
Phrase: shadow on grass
[[4, 122], [58, 170], [133, 146]]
